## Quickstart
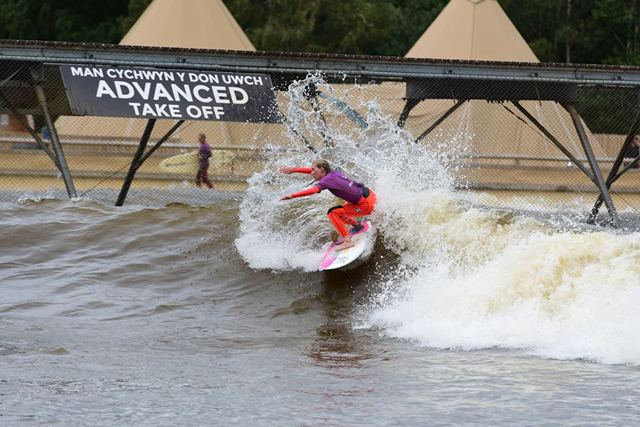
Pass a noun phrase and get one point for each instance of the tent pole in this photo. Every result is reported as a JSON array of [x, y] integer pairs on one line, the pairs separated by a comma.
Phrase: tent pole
[[604, 190], [62, 163], [613, 173], [440, 120], [135, 163], [553, 139], [410, 104]]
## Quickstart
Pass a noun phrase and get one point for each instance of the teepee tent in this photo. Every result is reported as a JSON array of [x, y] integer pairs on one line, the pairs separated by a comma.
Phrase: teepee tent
[[198, 24], [205, 24], [472, 30], [480, 30]]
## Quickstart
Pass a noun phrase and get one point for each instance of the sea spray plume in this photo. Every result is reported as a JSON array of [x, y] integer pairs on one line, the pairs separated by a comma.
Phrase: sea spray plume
[[331, 122], [469, 276], [271, 234], [275, 235], [302, 116], [452, 143], [435, 227], [560, 295], [489, 278], [283, 236]]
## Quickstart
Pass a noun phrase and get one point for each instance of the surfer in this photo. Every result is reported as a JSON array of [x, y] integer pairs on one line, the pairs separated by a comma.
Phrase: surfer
[[360, 199], [204, 153]]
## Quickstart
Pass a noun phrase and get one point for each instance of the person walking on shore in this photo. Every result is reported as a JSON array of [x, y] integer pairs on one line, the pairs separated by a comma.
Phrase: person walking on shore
[[204, 153]]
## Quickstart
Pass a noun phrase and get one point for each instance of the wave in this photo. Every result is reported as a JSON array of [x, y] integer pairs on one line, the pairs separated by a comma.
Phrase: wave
[[467, 276]]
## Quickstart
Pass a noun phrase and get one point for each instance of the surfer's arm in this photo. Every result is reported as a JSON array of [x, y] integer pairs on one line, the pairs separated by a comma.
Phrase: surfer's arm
[[302, 170], [289, 170], [307, 192]]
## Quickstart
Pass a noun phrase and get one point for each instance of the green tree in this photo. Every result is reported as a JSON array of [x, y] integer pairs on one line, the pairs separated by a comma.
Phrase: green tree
[[353, 26], [411, 21], [378, 27], [94, 21], [616, 22], [582, 31], [539, 21], [135, 9]]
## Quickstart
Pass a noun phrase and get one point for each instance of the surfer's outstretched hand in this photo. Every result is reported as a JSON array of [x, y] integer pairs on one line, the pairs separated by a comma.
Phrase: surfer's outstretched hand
[[285, 198], [286, 169]]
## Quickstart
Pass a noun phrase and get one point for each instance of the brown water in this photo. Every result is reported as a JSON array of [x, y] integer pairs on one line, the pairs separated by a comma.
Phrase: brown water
[[151, 316]]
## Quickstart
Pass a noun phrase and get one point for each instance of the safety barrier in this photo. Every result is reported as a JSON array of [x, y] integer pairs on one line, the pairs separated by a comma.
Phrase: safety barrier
[[527, 136]]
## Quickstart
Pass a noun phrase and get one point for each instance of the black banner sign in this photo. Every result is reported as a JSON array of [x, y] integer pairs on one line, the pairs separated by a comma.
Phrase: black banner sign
[[170, 94]]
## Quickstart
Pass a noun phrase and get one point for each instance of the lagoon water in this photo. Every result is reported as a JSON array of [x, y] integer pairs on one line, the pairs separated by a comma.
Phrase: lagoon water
[[194, 315], [192, 307]]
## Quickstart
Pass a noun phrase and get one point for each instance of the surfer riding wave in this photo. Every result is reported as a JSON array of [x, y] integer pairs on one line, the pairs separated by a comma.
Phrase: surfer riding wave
[[360, 200]]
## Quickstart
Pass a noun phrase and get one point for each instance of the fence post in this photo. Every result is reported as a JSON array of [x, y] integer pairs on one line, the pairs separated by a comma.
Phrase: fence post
[[555, 141], [604, 190], [613, 173], [62, 163], [135, 163]]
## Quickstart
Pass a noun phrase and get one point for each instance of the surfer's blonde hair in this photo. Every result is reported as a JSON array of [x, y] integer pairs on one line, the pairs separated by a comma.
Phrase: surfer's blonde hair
[[322, 164]]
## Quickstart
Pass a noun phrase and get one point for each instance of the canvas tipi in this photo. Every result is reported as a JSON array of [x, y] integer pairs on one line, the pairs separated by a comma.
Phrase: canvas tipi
[[480, 30], [197, 24], [205, 24]]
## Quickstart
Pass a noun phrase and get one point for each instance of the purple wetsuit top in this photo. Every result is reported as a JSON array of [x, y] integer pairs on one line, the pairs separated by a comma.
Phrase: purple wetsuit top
[[204, 159], [341, 186]]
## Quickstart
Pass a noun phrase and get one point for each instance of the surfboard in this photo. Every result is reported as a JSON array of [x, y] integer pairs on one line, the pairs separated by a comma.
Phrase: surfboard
[[182, 163], [189, 163], [363, 240]]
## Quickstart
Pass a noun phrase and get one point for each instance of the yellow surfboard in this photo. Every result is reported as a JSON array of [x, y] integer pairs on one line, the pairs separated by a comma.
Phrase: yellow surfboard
[[182, 163], [189, 163]]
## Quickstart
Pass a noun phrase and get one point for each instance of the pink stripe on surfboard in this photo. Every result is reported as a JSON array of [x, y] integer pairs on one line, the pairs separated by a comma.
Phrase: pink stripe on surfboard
[[330, 256]]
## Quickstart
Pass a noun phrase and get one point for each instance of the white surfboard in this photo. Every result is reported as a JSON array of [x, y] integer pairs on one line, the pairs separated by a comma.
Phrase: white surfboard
[[363, 240]]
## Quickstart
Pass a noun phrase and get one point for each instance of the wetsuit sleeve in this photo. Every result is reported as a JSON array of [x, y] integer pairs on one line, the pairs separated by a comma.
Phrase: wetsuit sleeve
[[307, 192], [302, 170]]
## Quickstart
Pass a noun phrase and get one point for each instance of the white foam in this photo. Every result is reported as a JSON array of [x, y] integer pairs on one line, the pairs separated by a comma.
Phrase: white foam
[[470, 276], [560, 295], [283, 235]]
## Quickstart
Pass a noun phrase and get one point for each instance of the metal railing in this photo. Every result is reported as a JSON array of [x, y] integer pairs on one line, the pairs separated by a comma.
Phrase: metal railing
[[557, 127]]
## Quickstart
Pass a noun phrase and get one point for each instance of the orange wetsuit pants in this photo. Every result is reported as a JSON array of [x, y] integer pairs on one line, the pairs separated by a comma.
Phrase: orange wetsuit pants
[[344, 214]]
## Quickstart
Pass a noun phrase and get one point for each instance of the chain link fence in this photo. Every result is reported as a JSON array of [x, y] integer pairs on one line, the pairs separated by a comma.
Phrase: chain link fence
[[495, 135]]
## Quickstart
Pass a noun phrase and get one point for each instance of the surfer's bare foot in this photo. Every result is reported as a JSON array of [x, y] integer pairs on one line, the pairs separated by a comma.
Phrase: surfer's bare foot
[[344, 245]]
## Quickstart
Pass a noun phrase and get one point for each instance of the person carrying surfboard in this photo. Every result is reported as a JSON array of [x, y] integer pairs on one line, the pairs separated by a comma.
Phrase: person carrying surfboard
[[204, 153], [360, 199]]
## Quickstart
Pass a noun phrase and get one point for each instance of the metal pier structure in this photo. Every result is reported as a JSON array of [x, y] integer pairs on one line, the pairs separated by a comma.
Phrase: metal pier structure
[[31, 84]]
